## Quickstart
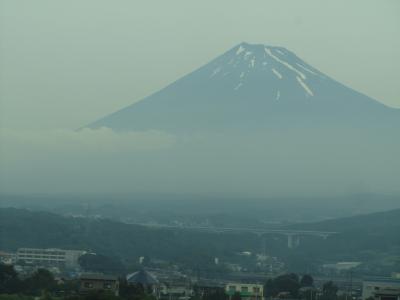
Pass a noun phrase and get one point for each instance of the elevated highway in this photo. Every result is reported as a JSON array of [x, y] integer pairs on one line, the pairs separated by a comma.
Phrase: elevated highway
[[293, 236]]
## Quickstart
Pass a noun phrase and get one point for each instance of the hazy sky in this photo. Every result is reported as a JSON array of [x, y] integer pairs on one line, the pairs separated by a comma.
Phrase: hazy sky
[[63, 64]]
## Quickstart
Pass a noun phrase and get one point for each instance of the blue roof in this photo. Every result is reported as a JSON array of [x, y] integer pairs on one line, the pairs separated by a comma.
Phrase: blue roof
[[143, 277]]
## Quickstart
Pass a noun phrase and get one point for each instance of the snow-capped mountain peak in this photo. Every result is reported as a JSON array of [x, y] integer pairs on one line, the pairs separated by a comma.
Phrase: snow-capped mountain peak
[[251, 87], [245, 59]]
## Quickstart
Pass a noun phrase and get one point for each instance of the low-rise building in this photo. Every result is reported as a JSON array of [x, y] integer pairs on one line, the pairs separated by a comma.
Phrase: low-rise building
[[205, 288], [91, 282], [50, 257], [247, 291], [381, 289], [175, 292]]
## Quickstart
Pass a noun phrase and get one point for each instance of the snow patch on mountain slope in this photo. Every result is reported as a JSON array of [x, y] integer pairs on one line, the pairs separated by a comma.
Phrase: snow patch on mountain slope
[[279, 75], [278, 95], [240, 50], [286, 64], [238, 86], [304, 86], [307, 69], [216, 71]]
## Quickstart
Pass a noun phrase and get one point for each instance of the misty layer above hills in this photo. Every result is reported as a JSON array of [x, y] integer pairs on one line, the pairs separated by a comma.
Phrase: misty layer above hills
[[256, 121], [201, 210]]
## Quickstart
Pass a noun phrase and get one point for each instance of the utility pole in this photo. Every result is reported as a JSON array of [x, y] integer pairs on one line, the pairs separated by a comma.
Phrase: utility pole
[[264, 242], [351, 284]]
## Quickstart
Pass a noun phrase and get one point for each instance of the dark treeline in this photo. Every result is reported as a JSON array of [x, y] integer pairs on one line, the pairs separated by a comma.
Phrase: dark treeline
[[43, 284], [124, 243]]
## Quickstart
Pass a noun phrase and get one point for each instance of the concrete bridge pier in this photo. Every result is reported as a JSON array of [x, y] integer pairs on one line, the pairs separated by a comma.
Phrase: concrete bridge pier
[[293, 241]]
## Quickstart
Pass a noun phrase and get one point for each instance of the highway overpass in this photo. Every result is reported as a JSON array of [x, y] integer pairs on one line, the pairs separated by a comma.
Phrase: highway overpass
[[293, 236]]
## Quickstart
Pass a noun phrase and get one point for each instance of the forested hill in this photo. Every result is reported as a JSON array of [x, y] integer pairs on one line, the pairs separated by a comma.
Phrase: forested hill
[[380, 222], [24, 228], [371, 238]]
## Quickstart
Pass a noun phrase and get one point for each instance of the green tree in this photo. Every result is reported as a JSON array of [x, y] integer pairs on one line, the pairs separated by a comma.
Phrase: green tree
[[101, 263], [218, 294], [307, 293], [131, 291], [42, 280], [100, 295], [329, 291], [288, 283], [15, 297], [45, 296], [210, 294], [236, 296], [284, 283], [68, 287], [134, 291], [9, 281], [306, 280]]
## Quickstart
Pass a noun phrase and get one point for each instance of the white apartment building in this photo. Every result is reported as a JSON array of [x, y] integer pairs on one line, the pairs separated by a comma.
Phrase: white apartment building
[[53, 257]]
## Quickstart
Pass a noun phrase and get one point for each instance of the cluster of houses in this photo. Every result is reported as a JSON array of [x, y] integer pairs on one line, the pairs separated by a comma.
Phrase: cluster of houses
[[170, 286], [163, 286], [169, 291], [372, 289]]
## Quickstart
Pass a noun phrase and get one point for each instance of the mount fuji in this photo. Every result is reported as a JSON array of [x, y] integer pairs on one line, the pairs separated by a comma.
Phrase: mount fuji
[[253, 87]]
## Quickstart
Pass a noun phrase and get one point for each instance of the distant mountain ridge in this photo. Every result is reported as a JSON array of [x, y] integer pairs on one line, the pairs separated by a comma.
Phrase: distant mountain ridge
[[252, 87], [365, 222], [373, 236]]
